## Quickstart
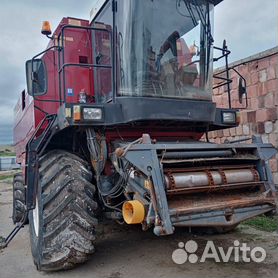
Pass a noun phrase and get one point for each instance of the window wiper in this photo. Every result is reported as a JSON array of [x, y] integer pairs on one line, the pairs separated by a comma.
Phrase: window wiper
[[191, 13], [207, 27], [202, 17], [205, 24]]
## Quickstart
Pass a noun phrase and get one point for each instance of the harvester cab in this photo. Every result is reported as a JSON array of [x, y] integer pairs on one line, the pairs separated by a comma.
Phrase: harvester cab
[[118, 106]]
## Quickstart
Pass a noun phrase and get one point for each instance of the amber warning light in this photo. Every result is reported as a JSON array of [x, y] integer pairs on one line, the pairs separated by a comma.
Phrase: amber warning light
[[46, 28]]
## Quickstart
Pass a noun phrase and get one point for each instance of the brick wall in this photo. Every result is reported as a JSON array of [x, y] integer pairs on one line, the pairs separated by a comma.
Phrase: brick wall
[[261, 115]]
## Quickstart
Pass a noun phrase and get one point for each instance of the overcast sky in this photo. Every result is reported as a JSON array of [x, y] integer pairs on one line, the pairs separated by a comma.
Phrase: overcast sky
[[249, 26]]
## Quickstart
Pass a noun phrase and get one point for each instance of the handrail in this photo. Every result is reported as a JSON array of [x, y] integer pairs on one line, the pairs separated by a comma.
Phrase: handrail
[[227, 80], [84, 65]]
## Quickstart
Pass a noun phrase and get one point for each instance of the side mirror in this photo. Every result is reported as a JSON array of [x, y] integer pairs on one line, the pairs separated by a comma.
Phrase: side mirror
[[36, 77], [241, 89]]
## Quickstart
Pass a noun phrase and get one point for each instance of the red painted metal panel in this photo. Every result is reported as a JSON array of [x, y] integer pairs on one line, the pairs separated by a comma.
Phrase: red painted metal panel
[[79, 47], [24, 125]]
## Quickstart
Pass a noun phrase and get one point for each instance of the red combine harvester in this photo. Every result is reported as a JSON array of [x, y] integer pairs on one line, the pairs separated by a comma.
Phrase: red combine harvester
[[110, 126]]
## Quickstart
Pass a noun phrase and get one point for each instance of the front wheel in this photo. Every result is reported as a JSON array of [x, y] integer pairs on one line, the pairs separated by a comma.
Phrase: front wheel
[[62, 225]]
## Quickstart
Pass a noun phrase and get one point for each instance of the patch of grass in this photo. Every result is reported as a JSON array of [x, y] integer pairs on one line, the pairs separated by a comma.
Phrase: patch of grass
[[263, 223], [6, 177], [7, 154]]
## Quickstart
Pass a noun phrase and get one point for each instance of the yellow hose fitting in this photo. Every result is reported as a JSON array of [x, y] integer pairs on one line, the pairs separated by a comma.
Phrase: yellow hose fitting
[[133, 212]]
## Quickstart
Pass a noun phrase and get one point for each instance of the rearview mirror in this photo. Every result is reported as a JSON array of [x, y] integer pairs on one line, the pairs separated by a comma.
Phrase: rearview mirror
[[36, 77], [241, 89]]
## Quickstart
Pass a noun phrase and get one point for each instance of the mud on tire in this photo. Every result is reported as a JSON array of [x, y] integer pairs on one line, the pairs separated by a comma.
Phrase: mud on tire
[[19, 199], [62, 227]]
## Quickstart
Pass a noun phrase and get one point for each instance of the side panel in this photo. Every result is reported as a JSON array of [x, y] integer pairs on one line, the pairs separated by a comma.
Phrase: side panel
[[77, 49], [24, 125]]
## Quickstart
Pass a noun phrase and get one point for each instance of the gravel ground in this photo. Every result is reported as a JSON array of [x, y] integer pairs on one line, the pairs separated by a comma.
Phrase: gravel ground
[[124, 251]]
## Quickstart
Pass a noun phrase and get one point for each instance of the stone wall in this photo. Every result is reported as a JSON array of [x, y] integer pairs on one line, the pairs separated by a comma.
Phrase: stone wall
[[261, 115]]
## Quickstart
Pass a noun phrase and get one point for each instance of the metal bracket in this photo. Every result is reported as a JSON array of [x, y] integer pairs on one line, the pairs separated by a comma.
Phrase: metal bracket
[[265, 151], [147, 161], [4, 242]]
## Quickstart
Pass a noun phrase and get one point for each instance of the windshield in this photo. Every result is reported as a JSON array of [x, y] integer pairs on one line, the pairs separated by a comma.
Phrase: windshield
[[164, 48]]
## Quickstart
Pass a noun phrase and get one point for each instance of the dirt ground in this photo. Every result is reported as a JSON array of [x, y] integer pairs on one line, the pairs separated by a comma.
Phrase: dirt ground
[[129, 252]]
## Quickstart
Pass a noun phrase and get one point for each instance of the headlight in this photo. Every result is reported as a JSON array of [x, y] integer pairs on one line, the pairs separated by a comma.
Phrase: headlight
[[92, 113], [228, 117]]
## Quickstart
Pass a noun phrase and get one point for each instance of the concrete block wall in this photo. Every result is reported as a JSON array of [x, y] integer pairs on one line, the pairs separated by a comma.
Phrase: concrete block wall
[[261, 115]]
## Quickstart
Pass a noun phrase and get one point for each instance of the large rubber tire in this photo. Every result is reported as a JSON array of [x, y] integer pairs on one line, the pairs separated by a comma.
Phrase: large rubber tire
[[62, 227], [19, 199]]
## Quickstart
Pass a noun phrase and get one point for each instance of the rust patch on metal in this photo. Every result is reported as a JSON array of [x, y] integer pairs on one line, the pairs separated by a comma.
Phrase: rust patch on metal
[[210, 179], [223, 176], [251, 185], [255, 174], [205, 203], [172, 183]]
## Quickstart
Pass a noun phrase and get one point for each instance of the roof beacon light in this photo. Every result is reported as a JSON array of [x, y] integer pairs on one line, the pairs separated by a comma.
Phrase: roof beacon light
[[46, 28]]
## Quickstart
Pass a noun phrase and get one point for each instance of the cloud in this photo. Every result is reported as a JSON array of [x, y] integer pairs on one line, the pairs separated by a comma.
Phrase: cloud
[[248, 26], [21, 40]]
